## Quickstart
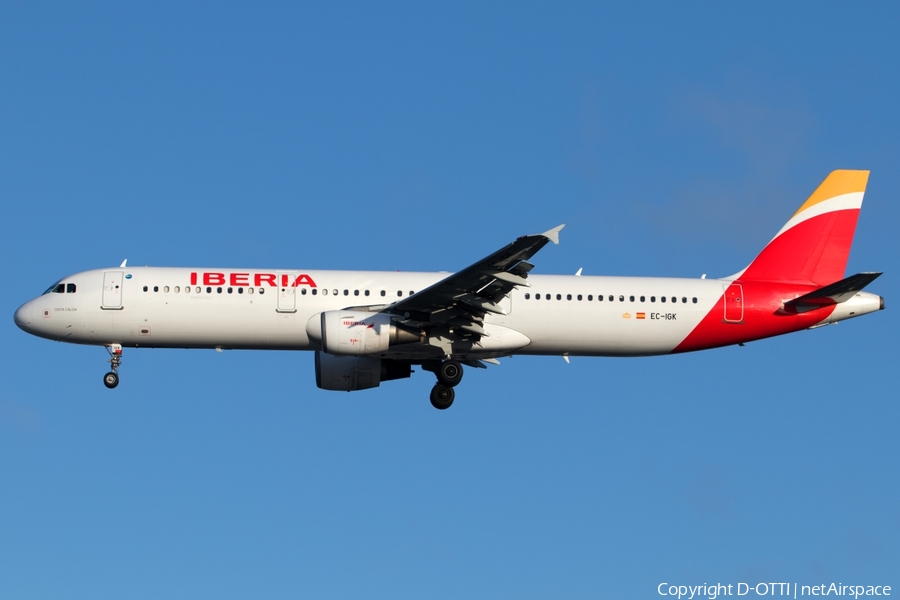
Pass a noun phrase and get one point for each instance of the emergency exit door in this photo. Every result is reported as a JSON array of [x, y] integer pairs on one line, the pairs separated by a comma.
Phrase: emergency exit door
[[287, 299]]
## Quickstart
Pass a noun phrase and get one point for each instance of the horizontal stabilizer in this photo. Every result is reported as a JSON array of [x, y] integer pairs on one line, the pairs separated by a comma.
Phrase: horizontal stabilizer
[[835, 293]]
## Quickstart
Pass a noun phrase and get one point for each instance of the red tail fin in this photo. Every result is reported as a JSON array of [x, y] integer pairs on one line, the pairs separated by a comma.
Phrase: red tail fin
[[814, 245]]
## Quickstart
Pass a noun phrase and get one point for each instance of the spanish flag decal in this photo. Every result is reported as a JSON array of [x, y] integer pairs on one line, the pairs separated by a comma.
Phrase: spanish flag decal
[[642, 315]]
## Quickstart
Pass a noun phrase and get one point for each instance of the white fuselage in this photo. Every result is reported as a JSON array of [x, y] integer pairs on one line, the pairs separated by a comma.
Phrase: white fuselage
[[172, 313]]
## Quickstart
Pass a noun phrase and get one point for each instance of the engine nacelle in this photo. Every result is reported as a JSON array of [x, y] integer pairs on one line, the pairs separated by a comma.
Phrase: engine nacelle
[[351, 373], [357, 333]]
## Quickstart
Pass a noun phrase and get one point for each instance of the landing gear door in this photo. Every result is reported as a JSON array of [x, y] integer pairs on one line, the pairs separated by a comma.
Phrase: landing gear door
[[287, 299], [112, 290]]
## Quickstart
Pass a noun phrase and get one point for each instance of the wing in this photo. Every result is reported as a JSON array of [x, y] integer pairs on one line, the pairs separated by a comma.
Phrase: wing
[[456, 306]]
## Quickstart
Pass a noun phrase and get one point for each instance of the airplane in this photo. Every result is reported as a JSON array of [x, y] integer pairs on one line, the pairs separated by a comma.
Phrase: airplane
[[367, 327]]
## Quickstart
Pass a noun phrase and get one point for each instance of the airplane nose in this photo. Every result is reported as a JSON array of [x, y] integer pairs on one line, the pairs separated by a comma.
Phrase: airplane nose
[[23, 317]]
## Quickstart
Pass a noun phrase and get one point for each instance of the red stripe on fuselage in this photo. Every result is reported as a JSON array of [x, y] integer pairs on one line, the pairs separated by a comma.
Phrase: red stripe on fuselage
[[814, 250], [763, 317]]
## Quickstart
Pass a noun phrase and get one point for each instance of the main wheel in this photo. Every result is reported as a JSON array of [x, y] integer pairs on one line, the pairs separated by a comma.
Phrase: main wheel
[[450, 373], [110, 380], [442, 396]]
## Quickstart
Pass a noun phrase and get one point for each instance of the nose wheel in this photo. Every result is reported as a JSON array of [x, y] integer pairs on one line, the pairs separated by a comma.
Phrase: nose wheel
[[111, 379]]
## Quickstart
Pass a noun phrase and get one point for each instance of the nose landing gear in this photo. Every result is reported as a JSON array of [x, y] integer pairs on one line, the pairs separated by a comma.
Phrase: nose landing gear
[[449, 373], [111, 379]]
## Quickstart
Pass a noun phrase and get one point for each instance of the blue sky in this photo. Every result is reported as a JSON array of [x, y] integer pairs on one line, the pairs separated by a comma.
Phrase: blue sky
[[674, 140]]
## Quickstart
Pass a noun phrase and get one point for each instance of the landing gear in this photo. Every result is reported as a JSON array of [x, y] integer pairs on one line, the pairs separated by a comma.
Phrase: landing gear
[[111, 379], [450, 373], [442, 396]]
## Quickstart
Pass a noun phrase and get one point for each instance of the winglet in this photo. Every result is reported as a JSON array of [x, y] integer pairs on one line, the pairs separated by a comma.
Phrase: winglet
[[553, 234], [122, 266]]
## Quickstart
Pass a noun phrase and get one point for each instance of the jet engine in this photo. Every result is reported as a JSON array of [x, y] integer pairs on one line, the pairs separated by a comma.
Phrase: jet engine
[[358, 333], [351, 373]]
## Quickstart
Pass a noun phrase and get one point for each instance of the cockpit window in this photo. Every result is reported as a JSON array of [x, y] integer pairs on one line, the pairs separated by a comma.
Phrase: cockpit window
[[52, 288], [60, 288]]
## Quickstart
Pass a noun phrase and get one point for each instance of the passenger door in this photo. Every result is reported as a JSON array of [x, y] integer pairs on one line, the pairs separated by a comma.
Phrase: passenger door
[[112, 290], [734, 303]]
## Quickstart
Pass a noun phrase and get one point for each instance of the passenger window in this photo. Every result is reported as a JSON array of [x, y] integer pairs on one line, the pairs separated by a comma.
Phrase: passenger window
[[240, 290], [621, 298], [302, 291], [155, 288], [356, 292], [579, 296], [70, 288], [411, 292], [537, 296], [367, 292], [383, 293], [335, 292], [662, 298], [527, 296], [610, 298], [218, 290], [262, 290], [314, 291], [643, 299], [249, 290], [652, 298], [695, 300], [568, 296], [683, 300], [591, 297], [209, 290], [145, 288], [177, 289], [399, 294], [674, 299], [631, 298], [559, 296], [346, 292], [166, 289], [230, 290]]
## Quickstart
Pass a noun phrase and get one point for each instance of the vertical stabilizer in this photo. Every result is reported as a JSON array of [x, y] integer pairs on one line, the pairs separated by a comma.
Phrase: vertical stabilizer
[[813, 246]]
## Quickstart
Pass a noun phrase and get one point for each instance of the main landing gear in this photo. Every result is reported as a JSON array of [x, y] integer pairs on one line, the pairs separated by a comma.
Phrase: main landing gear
[[449, 373], [111, 379]]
